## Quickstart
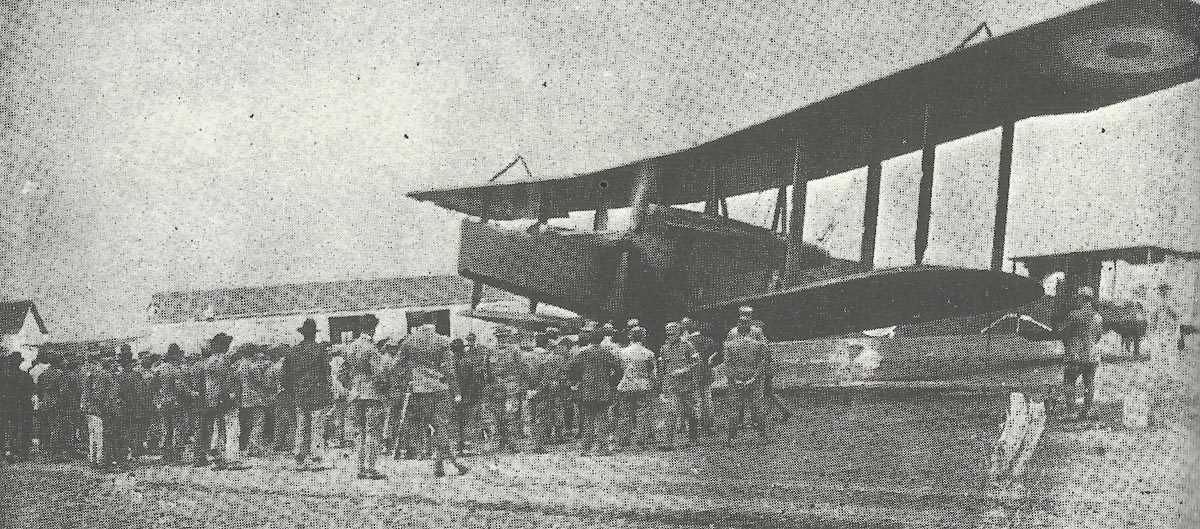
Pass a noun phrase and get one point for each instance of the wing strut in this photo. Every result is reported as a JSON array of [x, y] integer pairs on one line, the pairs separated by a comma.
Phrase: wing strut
[[1002, 185], [871, 213], [925, 196], [795, 238]]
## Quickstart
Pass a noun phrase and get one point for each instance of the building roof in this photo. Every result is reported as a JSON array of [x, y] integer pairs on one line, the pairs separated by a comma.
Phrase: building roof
[[316, 298], [1128, 253], [12, 316]]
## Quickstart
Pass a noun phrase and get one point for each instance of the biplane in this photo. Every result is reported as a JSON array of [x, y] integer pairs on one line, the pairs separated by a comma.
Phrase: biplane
[[672, 261]]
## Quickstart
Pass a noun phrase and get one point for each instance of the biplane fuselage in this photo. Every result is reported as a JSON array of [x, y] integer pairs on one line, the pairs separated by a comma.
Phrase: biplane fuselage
[[674, 262]]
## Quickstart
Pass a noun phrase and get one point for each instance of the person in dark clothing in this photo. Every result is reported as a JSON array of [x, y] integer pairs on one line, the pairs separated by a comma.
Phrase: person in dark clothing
[[136, 406], [51, 390], [305, 378], [18, 409], [596, 369], [173, 393], [470, 360]]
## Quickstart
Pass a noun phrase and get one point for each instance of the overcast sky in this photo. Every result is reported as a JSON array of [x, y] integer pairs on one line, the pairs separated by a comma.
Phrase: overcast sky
[[150, 147]]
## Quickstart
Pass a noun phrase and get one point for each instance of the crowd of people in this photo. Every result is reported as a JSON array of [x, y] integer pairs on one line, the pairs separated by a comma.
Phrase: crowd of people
[[425, 396]]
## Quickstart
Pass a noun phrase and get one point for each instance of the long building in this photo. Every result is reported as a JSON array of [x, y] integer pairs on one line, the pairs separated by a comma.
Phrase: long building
[[271, 314]]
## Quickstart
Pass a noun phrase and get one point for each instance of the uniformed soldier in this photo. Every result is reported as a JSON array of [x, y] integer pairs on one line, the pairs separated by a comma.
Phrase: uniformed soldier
[[745, 362], [470, 361], [678, 361], [507, 379], [634, 395], [556, 385], [425, 356], [596, 370], [709, 356]]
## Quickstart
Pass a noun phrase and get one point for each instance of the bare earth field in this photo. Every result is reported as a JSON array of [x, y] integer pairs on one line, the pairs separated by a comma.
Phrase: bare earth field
[[861, 458]]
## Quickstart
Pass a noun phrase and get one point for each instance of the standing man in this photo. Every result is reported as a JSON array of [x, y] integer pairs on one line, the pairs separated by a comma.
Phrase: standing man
[[19, 392], [1080, 332], [283, 429], [51, 389], [306, 378], [678, 360], [634, 392], [770, 399], [367, 395], [133, 389], [193, 376], [222, 393], [253, 377], [709, 356], [595, 369], [472, 375], [745, 362], [507, 377], [425, 357], [170, 404], [97, 389]]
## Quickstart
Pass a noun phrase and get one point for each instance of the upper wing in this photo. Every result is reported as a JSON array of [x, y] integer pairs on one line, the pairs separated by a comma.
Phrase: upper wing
[[879, 298], [1090, 58]]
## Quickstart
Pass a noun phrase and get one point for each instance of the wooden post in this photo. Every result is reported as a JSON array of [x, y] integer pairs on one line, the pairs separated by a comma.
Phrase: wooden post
[[925, 194], [871, 213], [1000, 228], [800, 170]]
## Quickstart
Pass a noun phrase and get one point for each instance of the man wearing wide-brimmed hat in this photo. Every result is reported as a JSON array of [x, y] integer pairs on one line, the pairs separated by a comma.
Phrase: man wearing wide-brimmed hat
[[222, 395], [169, 401], [306, 378]]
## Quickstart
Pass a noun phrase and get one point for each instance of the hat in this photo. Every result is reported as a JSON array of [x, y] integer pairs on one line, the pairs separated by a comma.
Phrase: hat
[[589, 326], [553, 332], [174, 352], [637, 333], [1086, 292], [309, 326], [125, 356], [672, 326], [94, 353], [220, 342], [633, 322], [745, 313]]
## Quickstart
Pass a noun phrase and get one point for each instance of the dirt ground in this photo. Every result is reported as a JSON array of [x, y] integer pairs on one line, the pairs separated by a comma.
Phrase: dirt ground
[[861, 458]]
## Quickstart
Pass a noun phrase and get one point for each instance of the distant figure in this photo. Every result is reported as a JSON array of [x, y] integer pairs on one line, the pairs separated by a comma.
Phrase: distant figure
[[1081, 330], [678, 362]]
